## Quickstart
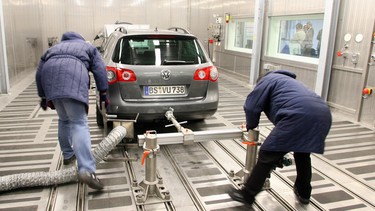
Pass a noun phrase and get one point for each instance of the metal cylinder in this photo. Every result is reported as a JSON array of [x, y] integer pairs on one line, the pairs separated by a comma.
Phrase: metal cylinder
[[169, 115], [253, 135], [151, 141], [151, 174], [152, 146], [251, 152]]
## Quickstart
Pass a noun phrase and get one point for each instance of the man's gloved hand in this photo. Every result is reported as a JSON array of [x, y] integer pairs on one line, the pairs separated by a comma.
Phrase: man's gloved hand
[[103, 98], [43, 103], [50, 105]]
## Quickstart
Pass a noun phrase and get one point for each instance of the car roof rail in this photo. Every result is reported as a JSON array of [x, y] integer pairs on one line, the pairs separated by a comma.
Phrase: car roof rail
[[120, 22], [179, 28], [121, 29]]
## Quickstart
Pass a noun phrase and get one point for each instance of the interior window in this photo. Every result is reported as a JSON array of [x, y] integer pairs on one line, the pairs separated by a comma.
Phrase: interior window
[[240, 33], [295, 37]]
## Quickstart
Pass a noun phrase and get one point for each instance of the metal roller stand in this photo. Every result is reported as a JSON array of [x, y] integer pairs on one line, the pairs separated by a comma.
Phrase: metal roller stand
[[151, 185], [252, 143]]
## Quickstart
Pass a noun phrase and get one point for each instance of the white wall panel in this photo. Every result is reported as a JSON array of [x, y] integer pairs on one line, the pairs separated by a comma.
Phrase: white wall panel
[[22, 35], [194, 16], [288, 7], [344, 86], [158, 13], [106, 12], [228, 62], [200, 18], [246, 7], [80, 17], [52, 20], [242, 65], [133, 11], [179, 13], [9, 39]]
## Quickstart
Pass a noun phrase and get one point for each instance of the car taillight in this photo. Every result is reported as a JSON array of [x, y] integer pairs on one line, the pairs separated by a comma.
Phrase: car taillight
[[111, 75], [120, 75], [207, 73]]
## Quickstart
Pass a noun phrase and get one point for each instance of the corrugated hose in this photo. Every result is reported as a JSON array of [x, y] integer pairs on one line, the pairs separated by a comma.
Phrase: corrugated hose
[[34, 179]]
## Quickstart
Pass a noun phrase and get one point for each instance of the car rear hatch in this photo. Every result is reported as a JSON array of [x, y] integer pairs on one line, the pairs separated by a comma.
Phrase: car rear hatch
[[172, 83], [161, 68]]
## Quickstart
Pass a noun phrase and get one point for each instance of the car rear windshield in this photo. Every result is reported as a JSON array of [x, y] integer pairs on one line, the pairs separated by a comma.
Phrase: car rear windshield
[[158, 50]]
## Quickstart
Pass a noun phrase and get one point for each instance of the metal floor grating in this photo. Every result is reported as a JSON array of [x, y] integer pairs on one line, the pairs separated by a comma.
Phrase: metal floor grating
[[343, 179]]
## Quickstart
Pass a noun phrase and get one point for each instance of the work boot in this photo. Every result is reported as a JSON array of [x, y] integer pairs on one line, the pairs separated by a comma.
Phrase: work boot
[[69, 160], [91, 180], [239, 195], [300, 199]]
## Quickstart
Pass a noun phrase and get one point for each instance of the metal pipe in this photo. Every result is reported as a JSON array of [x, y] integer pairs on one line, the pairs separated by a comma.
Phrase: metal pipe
[[251, 152], [33, 179], [199, 136], [169, 115], [152, 146]]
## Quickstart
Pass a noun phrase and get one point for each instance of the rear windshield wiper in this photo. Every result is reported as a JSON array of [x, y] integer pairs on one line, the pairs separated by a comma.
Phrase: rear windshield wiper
[[176, 62]]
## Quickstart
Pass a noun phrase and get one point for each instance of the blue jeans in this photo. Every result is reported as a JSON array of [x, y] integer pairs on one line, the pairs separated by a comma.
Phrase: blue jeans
[[74, 133]]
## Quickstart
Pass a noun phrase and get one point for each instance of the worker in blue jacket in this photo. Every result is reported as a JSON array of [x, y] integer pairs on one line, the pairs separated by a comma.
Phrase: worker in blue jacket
[[302, 121], [63, 83]]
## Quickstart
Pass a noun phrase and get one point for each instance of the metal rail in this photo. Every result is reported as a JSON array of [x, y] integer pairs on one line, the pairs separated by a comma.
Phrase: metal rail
[[150, 188], [190, 190], [186, 136], [199, 136]]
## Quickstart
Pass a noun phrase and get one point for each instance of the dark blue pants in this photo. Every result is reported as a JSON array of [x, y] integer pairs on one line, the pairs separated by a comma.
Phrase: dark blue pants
[[265, 164]]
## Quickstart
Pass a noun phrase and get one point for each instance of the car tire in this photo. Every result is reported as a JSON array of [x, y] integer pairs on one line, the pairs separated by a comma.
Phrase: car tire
[[99, 117], [197, 120]]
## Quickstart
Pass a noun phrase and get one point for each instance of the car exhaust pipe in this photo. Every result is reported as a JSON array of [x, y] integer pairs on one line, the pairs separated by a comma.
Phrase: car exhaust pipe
[[34, 179]]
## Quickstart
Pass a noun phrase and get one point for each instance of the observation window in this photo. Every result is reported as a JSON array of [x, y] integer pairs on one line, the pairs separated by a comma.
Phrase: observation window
[[240, 33], [295, 37]]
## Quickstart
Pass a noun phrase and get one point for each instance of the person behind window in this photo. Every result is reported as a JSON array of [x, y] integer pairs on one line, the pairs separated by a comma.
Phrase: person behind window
[[63, 82], [319, 38], [295, 47], [302, 121], [308, 41], [249, 44]]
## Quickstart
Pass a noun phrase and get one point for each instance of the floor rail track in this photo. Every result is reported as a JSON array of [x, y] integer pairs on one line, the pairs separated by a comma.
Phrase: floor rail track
[[286, 205], [183, 179]]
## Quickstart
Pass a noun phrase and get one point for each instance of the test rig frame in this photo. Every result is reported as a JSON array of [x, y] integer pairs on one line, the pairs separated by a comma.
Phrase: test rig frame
[[153, 185], [150, 141]]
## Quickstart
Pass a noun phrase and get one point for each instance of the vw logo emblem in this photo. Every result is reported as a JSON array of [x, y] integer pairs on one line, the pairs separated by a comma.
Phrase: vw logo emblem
[[165, 74]]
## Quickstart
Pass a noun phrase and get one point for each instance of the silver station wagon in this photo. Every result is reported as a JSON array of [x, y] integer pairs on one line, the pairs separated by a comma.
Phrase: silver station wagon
[[150, 71]]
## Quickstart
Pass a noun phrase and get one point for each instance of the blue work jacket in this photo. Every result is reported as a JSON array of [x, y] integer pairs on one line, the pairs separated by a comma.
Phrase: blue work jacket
[[302, 119], [63, 71]]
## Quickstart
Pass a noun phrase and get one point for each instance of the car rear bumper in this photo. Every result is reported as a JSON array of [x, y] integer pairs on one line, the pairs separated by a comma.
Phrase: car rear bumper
[[156, 111]]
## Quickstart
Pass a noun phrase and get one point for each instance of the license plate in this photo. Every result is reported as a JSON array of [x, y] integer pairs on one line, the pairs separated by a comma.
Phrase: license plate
[[164, 90]]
